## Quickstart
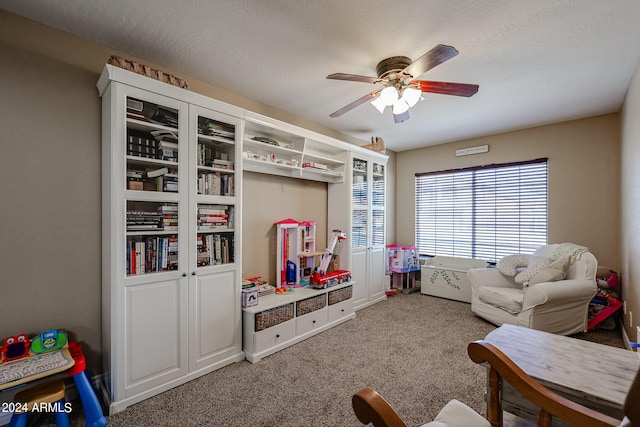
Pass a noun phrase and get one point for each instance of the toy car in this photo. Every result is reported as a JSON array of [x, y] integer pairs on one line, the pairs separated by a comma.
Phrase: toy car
[[322, 281]]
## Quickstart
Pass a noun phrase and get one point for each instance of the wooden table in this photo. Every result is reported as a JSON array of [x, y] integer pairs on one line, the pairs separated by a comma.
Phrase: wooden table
[[594, 375]]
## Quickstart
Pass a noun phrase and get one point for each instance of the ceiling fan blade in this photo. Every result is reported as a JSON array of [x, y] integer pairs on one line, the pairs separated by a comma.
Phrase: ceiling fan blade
[[434, 57], [353, 78], [447, 88], [355, 103]]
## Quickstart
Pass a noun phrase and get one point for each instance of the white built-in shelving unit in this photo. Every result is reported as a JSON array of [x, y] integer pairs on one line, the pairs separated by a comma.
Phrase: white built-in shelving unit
[[172, 163], [171, 236], [278, 148], [363, 194]]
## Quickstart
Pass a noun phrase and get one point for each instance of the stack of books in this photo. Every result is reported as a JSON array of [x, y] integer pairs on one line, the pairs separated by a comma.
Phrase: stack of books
[[213, 218], [169, 217], [144, 220], [167, 150]]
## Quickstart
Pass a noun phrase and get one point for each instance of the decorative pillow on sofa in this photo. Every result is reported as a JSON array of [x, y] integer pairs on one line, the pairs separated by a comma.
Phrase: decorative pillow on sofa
[[536, 264], [509, 264], [557, 270]]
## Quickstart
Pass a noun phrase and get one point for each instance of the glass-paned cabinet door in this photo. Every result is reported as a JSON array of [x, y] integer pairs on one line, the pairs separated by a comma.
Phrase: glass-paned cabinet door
[[217, 173], [152, 237], [151, 146]]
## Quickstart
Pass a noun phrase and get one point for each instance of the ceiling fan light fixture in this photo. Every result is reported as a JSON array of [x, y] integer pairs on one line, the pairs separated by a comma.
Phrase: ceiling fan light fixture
[[400, 106], [380, 106], [411, 96], [389, 95]]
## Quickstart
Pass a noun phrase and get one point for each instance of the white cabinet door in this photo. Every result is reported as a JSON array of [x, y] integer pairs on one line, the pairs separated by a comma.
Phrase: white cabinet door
[[376, 273], [215, 319], [155, 334], [359, 275]]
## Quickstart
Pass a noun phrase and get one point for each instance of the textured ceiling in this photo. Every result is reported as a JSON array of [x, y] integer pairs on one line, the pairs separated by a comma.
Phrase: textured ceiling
[[537, 62]]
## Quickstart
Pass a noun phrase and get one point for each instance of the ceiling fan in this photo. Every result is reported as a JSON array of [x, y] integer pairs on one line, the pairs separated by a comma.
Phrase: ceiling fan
[[401, 91]]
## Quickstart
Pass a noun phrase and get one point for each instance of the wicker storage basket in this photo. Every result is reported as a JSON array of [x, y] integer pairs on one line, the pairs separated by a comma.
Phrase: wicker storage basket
[[310, 304], [340, 295], [268, 318]]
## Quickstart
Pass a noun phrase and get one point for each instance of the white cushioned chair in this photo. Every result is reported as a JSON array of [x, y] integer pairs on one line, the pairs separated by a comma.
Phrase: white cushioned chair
[[559, 307]]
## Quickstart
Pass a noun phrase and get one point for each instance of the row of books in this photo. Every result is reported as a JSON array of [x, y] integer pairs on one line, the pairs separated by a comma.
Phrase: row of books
[[216, 184], [215, 249], [152, 254]]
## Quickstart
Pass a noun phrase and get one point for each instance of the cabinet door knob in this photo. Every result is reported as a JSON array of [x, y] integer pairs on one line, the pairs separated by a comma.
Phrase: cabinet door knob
[[277, 335], [184, 274], [313, 322], [193, 273]]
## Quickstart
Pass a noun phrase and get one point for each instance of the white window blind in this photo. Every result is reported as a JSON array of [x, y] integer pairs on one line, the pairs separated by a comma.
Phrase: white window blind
[[483, 212]]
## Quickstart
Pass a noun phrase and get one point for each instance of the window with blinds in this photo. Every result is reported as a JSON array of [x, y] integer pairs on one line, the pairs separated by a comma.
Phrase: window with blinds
[[484, 212]]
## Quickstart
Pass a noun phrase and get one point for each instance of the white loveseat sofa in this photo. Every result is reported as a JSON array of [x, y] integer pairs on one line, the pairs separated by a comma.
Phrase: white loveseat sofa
[[559, 307]]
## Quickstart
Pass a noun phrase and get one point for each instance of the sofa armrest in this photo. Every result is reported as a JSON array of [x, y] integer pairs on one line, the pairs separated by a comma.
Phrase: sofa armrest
[[559, 292], [479, 277]]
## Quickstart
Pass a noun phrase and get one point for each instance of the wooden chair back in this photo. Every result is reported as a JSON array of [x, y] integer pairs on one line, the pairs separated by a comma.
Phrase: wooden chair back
[[551, 404], [371, 407]]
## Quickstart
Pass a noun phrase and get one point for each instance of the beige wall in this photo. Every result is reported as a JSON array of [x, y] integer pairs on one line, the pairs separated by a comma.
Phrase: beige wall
[[583, 178], [630, 210], [267, 199], [50, 199]]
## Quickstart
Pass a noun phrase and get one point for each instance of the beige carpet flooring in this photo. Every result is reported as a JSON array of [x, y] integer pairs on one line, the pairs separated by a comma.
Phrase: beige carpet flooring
[[410, 348]]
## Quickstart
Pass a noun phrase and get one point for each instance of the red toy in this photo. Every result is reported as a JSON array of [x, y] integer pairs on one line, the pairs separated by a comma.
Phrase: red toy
[[14, 348], [321, 281]]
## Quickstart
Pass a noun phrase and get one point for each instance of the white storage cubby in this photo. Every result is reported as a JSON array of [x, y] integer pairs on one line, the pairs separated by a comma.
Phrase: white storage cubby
[[281, 320]]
